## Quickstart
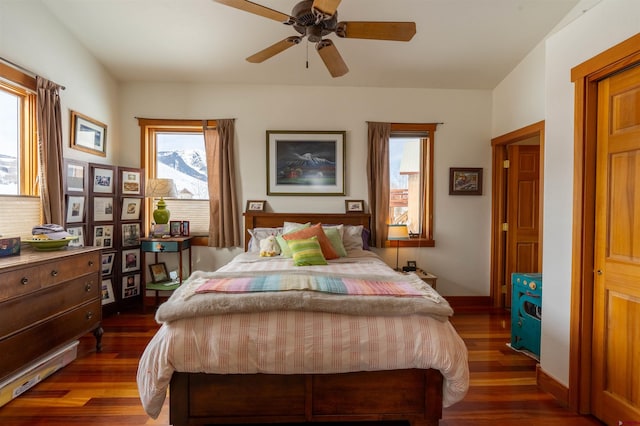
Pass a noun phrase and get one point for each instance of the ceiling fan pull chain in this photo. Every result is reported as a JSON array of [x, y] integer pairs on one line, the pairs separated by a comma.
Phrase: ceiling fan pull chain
[[307, 54]]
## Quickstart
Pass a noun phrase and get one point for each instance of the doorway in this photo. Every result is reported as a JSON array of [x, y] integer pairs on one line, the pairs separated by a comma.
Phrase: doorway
[[589, 373], [516, 217]]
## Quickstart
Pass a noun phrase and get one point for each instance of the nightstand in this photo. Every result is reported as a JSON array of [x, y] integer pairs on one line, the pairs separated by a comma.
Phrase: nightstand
[[426, 277], [176, 245]]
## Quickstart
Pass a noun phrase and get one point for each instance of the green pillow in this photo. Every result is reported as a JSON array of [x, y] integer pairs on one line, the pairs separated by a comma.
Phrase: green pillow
[[336, 240], [306, 252], [285, 251]]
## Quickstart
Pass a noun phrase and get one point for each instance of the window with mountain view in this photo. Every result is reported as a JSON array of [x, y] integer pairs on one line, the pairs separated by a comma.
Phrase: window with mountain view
[[174, 149], [180, 156]]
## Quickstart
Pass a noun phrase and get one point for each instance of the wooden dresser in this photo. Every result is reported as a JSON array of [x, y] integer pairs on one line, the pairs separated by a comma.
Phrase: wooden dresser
[[47, 299]]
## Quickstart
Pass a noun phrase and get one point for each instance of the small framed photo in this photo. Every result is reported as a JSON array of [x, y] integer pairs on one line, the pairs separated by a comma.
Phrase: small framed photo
[[412, 264], [159, 273], [107, 262], [256, 205], [130, 260], [102, 179], [130, 286], [75, 176], [130, 181], [175, 228], [107, 292], [76, 231], [354, 206], [75, 208], [465, 181], [130, 234], [102, 209], [103, 236], [130, 208], [88, 135], [185, 228]]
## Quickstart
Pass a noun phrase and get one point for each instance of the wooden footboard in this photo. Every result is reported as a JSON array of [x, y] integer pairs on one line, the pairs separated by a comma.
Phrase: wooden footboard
[[413, 395]]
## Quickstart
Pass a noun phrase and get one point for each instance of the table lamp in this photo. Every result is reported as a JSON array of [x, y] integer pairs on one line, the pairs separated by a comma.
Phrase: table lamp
[[398, 233], [160, 188]]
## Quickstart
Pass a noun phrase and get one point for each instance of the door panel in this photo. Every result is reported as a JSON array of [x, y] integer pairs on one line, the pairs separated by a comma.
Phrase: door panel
[[616, 334], [523, 194]]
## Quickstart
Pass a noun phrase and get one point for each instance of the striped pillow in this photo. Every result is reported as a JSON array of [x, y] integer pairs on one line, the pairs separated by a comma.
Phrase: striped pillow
[[306, 252]]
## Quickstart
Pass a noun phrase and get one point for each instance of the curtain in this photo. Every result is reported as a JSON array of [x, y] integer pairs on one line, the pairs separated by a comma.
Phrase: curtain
[[378, 180], [224, 229], [49, 121]]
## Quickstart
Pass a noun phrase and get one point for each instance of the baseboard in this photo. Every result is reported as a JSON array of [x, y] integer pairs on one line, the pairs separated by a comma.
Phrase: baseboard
[[471, 304], [552, 386]]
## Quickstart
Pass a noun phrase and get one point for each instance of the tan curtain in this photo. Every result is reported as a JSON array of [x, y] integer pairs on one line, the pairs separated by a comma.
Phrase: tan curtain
[[378, 180], [224, 229], [50, 150]]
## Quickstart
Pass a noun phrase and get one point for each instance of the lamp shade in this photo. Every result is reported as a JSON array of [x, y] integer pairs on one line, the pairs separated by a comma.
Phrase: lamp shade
[[160, 188], [398, 232]]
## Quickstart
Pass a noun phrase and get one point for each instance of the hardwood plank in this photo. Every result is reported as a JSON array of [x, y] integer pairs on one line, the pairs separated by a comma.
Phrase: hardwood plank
[[100, 388]]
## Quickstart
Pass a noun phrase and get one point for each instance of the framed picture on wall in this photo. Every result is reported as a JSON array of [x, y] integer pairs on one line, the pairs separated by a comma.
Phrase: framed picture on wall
[[130, 181], [75, 176], [130, 208], [305, 162], [88, 135], [76, 231], [130, 234], [102, 179], [130, 260], [75, 208], [102, 209], [465, 181], [103, 236], [107, 262], [107, 292], [130, 286]]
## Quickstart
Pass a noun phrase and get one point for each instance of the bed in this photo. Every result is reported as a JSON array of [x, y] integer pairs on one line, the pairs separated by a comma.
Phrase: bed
[[306, 355]]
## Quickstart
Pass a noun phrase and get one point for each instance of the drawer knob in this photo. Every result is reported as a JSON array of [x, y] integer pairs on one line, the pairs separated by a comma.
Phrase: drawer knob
[[89, 315], [91, 263], [24, 281], [54, 273], [87, 287]]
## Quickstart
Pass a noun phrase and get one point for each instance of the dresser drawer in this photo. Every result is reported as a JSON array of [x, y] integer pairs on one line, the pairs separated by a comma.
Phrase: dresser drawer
[[22, 312], [43, 338], [21, 281]]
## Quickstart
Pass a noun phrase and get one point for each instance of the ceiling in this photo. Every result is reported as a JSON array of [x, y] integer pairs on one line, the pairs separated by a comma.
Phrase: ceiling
[[460, 44]]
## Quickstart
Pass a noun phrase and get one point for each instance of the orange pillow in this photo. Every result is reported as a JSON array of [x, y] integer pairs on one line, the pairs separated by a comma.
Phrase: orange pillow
[[315, 231]]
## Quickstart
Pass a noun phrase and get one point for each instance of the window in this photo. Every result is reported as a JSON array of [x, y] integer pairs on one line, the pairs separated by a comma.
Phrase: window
[[411, 180], [18, 152], [18, 144], [174, 149]]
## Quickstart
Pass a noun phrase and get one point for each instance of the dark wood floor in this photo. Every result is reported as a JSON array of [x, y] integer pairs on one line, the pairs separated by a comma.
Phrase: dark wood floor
[[100, 389]]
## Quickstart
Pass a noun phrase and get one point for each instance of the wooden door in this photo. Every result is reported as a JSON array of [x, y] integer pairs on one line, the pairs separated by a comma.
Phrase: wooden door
[[523, 194], [616, 311]]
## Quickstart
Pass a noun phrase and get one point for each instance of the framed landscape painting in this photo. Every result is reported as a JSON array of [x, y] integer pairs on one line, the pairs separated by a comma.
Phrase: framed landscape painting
[[305, 162]]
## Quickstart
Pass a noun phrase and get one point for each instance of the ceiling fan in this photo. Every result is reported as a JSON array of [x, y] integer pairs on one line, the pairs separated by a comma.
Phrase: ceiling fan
[[316, 19]]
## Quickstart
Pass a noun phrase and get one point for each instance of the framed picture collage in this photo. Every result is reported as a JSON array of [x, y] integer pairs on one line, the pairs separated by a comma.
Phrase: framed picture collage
[[105, 208]]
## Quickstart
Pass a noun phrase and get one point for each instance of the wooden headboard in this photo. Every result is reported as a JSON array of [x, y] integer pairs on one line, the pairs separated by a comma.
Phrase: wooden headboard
[[275, 220]]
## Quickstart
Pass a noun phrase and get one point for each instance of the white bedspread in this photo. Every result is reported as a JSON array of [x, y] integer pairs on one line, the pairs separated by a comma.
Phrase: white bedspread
[[299, 341]]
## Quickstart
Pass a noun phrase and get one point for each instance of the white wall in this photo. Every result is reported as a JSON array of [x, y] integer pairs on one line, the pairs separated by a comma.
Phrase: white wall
[[461, 256], [606, 24], [31, 37]]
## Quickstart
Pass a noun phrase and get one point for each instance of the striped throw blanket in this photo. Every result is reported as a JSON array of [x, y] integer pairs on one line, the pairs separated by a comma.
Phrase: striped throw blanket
[[324, 284]]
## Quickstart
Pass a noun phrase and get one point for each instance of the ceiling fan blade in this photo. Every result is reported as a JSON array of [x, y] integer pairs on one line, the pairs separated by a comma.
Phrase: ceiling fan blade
[[257, 9], [274, 49], [327, 7], [331, 58], [396, 31]]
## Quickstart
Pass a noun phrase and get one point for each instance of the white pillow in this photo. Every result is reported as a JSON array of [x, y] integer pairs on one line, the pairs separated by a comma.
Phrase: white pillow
[[258, 234], [293, 226], [352, 237]]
